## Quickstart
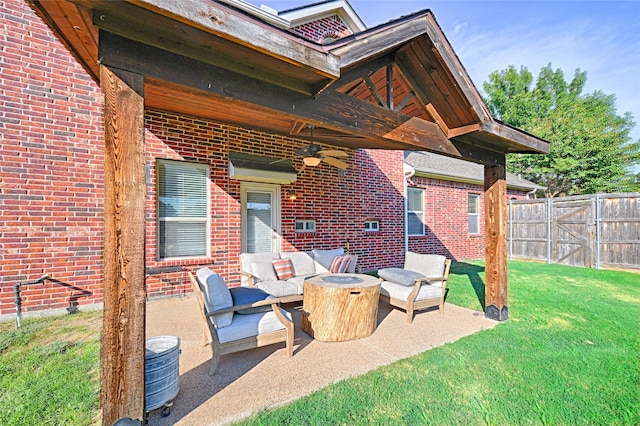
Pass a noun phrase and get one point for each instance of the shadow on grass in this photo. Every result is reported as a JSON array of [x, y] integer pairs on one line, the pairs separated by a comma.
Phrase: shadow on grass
[[473, 273]]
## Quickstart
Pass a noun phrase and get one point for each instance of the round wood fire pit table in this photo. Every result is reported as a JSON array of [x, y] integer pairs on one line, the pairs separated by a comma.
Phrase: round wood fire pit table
[[339, 307]]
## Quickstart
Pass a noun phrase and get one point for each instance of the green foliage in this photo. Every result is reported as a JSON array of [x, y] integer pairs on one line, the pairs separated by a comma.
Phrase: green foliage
[[591, 147], [567, 355]]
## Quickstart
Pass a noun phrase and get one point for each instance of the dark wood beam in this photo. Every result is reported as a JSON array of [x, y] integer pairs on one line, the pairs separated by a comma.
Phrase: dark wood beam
[[122, 392], [218, 19], [515, 137], [495, 212], [336, 111]]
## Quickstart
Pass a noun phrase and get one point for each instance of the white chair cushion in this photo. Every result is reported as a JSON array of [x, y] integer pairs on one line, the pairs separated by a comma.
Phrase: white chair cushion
[[430, 265], [401, 292], [216, 295], [263, 271], [299, 282], [248, 259], [251, 325], [302, 262], [323, 258], [278, 288]]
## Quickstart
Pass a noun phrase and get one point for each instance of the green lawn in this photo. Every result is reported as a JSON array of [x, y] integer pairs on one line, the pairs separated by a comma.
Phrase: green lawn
[[569, 354], [49, 370]]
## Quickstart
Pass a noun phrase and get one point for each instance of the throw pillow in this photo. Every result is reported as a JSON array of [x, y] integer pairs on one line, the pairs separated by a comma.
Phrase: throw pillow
[[263, 271], [339, 264], [325, 257], [244, 295], [284, 268], [399, 276]]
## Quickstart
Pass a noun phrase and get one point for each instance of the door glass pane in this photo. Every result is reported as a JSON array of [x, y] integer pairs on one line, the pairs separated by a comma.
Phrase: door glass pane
[[259, 222]]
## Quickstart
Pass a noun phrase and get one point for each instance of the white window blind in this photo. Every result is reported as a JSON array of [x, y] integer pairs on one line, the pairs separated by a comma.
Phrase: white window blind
[[259, 226], [415, 211], [182, 211]]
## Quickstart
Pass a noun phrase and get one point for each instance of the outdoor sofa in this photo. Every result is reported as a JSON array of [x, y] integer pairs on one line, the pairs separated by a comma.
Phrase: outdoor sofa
[[282, 274]]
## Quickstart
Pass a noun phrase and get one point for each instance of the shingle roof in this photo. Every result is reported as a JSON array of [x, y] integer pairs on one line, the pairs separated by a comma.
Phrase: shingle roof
[[447, 168]]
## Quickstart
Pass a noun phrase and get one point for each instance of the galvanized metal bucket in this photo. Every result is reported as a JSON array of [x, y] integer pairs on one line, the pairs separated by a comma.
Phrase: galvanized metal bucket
[[162, 372]]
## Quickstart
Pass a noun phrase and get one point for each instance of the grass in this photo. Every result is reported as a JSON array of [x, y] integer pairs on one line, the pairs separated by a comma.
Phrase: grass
[[49, 370], [569, 354]]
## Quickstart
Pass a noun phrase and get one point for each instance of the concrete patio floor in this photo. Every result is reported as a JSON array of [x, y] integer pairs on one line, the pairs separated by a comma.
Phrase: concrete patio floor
[[262, 378]]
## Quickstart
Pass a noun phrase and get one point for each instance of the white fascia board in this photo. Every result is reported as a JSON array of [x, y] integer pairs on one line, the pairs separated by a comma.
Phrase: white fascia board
[[312, 13]]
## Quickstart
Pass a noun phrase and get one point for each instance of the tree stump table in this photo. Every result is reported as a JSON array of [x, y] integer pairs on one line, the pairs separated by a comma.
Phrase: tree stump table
[[339, 307]]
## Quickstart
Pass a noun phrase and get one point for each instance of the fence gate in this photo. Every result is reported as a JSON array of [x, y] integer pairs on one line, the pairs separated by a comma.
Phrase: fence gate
[[586, 230], [573, 229]]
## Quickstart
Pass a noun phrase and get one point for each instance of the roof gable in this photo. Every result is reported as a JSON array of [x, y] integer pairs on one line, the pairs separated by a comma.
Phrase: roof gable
[[395, 86]]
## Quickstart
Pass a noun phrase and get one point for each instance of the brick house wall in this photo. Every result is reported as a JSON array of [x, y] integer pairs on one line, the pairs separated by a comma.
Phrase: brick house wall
[[51, 178], [372, 187], [446, 218], [52, 184]]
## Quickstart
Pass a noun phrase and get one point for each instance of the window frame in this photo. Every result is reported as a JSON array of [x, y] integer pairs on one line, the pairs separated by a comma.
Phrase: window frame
[[371, 225], [475, 216], [305, 228], [419, 214], [206, 220]]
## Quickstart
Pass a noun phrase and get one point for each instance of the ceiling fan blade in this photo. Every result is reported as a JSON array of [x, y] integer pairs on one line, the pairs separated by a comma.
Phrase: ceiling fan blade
[[335, 162], [334, 153]]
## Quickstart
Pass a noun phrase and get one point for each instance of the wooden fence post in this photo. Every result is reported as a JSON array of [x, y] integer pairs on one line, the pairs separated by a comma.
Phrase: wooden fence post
[[495, 210], [122, 391]]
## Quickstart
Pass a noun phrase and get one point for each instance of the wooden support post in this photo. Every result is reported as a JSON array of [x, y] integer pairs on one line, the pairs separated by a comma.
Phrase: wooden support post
[[122, 391], [495, 211]]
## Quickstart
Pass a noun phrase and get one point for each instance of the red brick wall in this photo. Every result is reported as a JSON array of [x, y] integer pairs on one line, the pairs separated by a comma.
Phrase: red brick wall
[[51, 180], [51, 184], [331, 26], [446, 219], [371, 187]]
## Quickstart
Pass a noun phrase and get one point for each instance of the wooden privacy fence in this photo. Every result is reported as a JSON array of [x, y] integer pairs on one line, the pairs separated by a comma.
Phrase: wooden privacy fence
[[599, 230]]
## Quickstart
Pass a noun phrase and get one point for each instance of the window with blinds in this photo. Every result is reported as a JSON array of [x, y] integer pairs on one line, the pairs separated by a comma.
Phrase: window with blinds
[[415, 211], [474, 218], [182, 209], [259, 222]]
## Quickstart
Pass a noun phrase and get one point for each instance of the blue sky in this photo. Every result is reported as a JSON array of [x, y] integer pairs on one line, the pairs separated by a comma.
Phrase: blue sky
[[600, 37]]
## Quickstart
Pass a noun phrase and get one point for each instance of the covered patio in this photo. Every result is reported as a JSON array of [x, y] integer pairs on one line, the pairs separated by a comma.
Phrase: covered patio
[[398, 86], [265, 378]]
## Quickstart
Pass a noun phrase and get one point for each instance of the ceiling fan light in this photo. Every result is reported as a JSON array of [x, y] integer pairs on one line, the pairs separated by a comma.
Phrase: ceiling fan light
[[311, 161]]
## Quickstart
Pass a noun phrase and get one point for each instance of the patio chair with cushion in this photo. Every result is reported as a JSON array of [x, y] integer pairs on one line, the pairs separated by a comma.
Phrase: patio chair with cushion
[[239, 318], [421, 284]]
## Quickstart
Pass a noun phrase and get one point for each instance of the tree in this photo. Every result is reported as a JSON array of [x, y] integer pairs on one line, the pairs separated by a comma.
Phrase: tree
[[591, 147]]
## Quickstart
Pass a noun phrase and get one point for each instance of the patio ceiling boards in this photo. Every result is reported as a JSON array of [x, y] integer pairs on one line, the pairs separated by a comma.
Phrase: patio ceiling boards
[[395, 86]]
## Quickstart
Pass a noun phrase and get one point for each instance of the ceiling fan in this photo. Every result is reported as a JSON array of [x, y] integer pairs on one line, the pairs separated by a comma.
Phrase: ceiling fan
[[312, 155]]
